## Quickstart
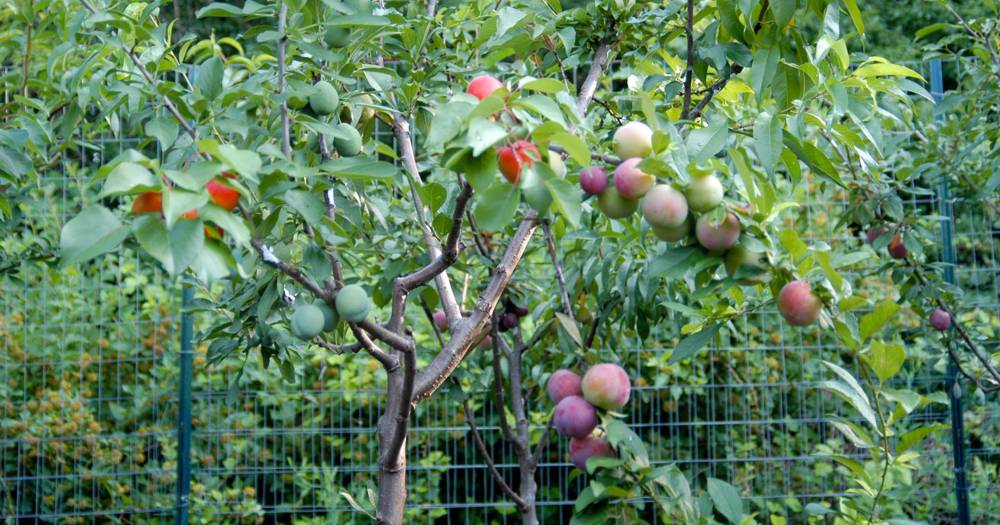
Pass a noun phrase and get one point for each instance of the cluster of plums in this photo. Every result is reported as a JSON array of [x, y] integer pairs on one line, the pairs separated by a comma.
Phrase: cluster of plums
[[322, 100], [605, 386], [939, 319], [310, 319]]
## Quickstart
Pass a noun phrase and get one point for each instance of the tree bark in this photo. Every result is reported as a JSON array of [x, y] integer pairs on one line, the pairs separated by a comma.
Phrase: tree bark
[[392, 470], [528, 490]]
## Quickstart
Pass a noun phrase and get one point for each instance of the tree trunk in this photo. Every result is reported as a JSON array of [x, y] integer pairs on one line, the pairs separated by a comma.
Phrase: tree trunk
[[392, 471], [528, 491]]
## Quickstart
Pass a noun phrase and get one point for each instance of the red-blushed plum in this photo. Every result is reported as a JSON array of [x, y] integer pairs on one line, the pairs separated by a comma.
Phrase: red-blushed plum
[[632, 182], [940, 320], [222, 194], [896, 247], [594, 180], [582, 449], [483, 86], [614, 205], [874, 233], [798, 304], [148, 202], [562, 384], [575, 417], [633, 139], [606, 386], [677, 233], [440, 319], [486, 342], [704, 193], [717, 237], [664, 207]]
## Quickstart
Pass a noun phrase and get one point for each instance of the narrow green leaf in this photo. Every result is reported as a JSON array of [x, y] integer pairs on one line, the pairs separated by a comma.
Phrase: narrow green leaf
[[727, 500], [852, 9], [692, 343]]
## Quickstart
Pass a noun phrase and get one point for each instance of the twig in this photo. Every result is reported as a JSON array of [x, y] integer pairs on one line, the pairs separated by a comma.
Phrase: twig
[[884, 431], [689, 67], [373, 349], [498, 386], [559, 271], [536, 455], [286, 141], [27, 48], [470, 418], [337, 349], [589, 86]]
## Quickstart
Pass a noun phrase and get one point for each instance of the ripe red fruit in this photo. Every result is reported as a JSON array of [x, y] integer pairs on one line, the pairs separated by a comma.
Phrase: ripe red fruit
[[940, 320], [562, 384], [511, 159], [582, 449], [574, 417], [222, 194], [148, 202], [896, 247], [594, 180], [798, 304], [483, 86], [213, 232], [717, 237], [440, 319]]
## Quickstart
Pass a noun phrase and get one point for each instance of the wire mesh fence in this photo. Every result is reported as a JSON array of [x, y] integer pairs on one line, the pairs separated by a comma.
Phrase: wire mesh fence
[[89, 415]]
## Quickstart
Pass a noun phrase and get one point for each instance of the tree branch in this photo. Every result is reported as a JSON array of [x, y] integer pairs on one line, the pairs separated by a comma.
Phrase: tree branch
[[559, 271], [401, 129], [286, 141], [470, 418], [508, 433], [536, 455], [402, 422], [466, 331], [373, 349], [589, 86], [689, 73]]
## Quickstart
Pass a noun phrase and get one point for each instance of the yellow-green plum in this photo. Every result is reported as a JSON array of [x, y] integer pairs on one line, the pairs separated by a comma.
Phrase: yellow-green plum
[[632, 182], [717, 237], [664, 207], [324, 98], [562, 384], [633, 139], [704, 193], [614, 205], [574, 417], [798, 304], [582, 449], [606, 386]]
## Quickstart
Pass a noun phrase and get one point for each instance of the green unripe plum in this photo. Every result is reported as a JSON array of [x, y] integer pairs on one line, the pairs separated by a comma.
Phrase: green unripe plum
[[330, 317], [614, 205], [664, 207], [704, 193], [672, 234], [349, 146], [307, 321], [337, 37], [634, 139], [324, 98], [717, 237], [353, 303]]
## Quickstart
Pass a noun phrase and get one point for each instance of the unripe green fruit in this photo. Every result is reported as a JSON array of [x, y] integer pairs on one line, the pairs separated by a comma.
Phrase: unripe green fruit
[[307, 321], [337, 37], [349, 146], [367, 113], [614, 205], [634, 139], [298, 94], [672, 234], [324, 98], [330, 317], [353, 303], [537, 196], [557, 164], [704, 193]]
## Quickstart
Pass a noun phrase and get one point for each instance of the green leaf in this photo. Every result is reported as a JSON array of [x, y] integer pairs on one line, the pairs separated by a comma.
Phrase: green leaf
[[851, 391], [764, 68], [915, 436], [187, 238], [447, 123], [178, 202], [544, 107], [246, 163], [727, 500], [626, 442], [212, 263], [209, 78], [705, 142], [128, 177], [674, 262], [360, 169], [852, 9], [882, 69], [508, 17], [480, 171], [250, 10], [692, 343], [783, 11], [575, 147], [877, 318], [907, 399], [566, 197], [14, 163], [767, 134], [885, 359], [496, 206], [95, 231], [483, 134], [569, 325], [152, 235], [544, 85], [164, 129], [359, 21], [230, 222], [309, 205]]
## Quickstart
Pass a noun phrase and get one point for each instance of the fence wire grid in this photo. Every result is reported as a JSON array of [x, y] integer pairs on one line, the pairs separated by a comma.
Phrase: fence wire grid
[[89, 381]]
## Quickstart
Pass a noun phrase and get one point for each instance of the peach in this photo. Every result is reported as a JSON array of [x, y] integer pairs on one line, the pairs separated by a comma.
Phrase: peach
[[940, 320], [717, 237], [634, 139], [582, 449], [632, 182], [664, 207], [562, 384], [594, 180], [614, 205], [798, 304], [704, 193], [606, 386], [574, 417]]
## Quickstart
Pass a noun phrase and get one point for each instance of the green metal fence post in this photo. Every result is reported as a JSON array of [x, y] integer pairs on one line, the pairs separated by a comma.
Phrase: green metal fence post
[[184, 408], [953, 384]]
